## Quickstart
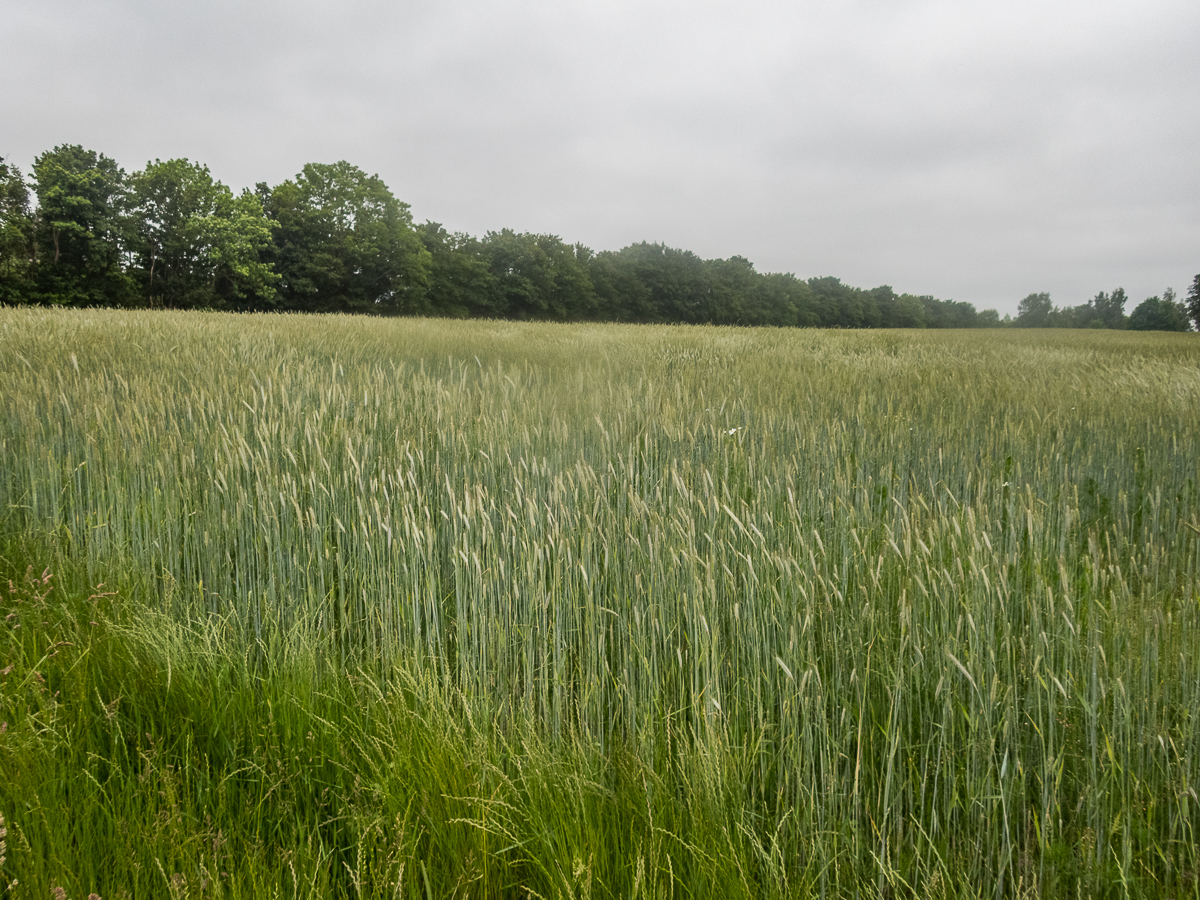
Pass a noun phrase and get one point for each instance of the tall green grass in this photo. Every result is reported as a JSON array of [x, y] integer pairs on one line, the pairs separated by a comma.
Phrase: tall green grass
[[430, 609]]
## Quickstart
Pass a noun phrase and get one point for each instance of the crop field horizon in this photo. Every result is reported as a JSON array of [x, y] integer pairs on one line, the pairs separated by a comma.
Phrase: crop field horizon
[[329, 606]]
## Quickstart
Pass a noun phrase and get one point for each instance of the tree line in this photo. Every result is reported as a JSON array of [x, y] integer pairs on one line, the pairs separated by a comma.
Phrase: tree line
[[81, 232], [1107, 310]]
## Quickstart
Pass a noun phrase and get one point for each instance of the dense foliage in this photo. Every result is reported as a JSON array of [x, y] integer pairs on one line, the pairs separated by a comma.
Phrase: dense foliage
[[1106, 310], [335, 239], [429, 609]]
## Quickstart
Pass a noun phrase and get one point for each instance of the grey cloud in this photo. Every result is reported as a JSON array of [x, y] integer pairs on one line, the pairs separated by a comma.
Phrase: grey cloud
[[969, 151]]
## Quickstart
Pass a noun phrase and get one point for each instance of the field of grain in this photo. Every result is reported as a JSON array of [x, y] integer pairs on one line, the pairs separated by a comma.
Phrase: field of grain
[[427, 609]]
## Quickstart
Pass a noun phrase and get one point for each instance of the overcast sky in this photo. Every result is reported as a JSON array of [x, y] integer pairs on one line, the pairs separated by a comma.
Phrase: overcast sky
[[973, 151]]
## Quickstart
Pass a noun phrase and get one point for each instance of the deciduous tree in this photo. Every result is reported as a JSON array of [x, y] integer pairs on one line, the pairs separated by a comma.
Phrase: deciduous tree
[[1159, 314], [1034, 311], [460, 283], [1193, 302], [538, 276], [346, 244], [81, 197], [196, 244], [16, 237], [1110, 308]]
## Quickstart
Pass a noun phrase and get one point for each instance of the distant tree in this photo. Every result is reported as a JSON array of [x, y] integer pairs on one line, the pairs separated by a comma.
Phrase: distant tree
[[574, 291], [346, 244], [988, 318], [785, 300], [903, 311], [731, 296], [81, 198], [1110, 308], [667, 285], [196, 245], [839, 305], [948, 313], [1034, 311], [521, 273], [16, 237], [910, 312], [884, 300], [1084, 315], [242, 275], [868, 304], [1193, 302], [655, 283], [538, 276], [621, 294], [1155, 314], [460, 283]]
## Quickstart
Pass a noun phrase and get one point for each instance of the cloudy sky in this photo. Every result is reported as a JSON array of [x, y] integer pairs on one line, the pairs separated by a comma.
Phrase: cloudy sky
[[974, 151]]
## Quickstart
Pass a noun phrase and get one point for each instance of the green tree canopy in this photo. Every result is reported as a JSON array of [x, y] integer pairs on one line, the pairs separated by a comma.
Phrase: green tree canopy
[[196, 244], [905, 311], [16, 236], [1193, 302], [81, 197], [780, 299], [538, 276], [1034, 311], [460, 283], [677, 281], [950, 313], [1160, 314], [335, 239], [1110, 308], [621, 294], [345, 243], [840, 305]]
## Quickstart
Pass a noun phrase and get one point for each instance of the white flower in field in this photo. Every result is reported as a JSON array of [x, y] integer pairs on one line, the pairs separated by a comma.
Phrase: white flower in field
[[733, 431]]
